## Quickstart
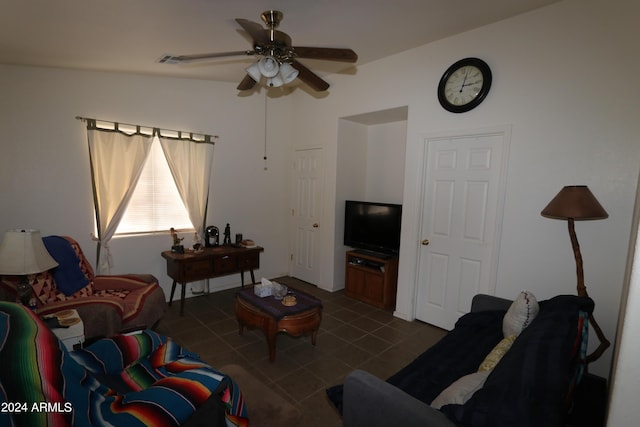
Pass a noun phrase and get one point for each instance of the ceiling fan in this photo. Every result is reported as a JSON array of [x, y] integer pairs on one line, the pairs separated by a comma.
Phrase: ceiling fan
[[279, 64]]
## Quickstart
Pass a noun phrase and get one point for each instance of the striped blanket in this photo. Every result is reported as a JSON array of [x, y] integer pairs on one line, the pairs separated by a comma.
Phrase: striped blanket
[[127, 380]]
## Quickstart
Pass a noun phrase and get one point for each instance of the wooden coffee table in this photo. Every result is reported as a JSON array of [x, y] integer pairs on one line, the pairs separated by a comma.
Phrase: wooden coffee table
[[271, 316]]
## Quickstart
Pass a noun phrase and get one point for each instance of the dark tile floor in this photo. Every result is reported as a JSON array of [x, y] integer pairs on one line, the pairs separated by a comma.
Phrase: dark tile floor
[[352, 335]]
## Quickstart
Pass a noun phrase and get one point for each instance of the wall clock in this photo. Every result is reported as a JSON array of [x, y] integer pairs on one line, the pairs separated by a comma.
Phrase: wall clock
[[464, 85]]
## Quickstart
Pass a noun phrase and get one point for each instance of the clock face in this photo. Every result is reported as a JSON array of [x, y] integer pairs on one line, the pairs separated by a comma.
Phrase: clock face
[[464, 85]]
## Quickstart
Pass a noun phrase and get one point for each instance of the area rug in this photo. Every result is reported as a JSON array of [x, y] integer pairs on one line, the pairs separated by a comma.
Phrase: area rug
[[266, 408]]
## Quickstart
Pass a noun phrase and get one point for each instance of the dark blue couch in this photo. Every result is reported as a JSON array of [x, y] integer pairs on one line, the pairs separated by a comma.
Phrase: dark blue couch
[[531, 386]]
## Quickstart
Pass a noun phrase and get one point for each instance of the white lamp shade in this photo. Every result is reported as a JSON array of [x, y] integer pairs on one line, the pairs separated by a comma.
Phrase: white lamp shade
[[254, 71], [288, 73], [268, 66], [275, 81], [22, 252]]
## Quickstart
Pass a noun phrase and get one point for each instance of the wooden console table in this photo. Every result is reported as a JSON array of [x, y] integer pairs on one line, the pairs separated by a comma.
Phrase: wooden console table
[[212, 262]]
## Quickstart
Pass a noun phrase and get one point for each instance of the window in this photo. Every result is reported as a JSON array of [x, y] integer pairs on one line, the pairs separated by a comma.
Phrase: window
[[155, 205]]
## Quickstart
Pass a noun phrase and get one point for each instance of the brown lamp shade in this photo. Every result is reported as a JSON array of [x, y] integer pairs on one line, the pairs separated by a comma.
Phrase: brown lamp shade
[[577, 202]]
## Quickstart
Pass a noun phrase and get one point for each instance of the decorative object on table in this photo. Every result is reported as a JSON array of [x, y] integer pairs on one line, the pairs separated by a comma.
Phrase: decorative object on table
[[577, 203], [211, 236], [23, 254], [238, 238], [289, 300], [197, 242], [174, 236], [279, 291], [69, 322], [248, 243], [177, 242], [464, 85], [227, 235], [264, 288]]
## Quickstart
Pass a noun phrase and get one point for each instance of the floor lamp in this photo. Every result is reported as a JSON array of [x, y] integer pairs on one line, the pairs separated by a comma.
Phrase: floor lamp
[[577, 203]]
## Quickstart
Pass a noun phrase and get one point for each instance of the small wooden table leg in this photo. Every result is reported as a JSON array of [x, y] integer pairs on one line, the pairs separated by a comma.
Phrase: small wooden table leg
[[240, 328], [253, 277], [182, 292], [271, 344], [173, 289]]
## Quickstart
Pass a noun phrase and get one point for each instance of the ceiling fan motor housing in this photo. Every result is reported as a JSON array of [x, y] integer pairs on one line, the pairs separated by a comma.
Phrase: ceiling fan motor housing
[[272, 18]]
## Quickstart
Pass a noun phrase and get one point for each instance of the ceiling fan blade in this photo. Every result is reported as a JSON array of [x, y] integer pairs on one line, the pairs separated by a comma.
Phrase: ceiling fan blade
[[326, 53], [255, 30], [175, 59], [247, 83], [309, 77]]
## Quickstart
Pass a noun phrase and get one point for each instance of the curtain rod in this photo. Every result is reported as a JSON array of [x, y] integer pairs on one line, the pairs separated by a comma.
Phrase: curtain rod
[[207, 138]]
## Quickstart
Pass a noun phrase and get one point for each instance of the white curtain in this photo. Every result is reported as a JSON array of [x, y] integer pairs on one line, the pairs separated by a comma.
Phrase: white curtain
[[117, 160], [190, 164]]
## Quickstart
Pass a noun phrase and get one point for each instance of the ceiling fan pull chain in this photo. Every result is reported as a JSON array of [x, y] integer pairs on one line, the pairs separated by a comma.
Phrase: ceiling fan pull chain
[[265, 129]]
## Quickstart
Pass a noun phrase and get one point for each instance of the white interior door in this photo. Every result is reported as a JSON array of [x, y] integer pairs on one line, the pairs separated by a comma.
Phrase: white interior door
[[306, 211], [463, 193]]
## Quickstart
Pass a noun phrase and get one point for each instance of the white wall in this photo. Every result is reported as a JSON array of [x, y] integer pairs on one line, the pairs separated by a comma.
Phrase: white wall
[[385, 162], [559, 83], [44, 167]]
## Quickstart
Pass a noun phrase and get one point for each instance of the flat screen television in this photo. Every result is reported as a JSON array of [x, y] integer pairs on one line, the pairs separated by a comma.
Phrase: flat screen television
[[372, 226]]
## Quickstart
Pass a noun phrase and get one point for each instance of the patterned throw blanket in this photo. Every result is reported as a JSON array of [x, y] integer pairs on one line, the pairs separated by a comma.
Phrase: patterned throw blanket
[[128, 380]]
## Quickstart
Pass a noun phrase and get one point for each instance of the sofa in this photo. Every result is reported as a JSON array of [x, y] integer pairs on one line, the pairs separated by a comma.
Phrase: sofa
[[107, 304], [506, 363], [129, 380]]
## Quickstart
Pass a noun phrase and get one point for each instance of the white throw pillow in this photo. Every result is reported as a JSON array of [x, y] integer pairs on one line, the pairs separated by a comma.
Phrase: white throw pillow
[[520, 314], [461, 390]]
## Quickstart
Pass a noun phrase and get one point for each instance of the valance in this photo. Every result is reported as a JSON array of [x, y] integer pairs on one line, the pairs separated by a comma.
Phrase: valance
[[130, 129]]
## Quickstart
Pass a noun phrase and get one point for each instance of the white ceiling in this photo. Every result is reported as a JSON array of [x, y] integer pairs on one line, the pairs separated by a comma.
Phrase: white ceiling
[[131, 35]]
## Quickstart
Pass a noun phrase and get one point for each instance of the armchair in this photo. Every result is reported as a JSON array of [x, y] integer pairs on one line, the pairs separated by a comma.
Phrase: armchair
[[107, 304]]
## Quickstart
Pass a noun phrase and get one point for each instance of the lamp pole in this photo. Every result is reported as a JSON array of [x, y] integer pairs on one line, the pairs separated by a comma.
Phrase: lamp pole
[[582, 291]]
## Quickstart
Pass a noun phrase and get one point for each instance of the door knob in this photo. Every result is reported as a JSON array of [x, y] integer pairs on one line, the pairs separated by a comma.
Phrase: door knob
[[316, 225], [425, 242]]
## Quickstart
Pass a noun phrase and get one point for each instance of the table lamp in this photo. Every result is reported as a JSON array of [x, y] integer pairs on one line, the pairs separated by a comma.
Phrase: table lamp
[[23, 253], [577, 203]]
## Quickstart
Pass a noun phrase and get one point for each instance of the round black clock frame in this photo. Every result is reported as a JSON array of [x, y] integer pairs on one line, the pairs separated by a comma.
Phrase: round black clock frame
[[447, 103]]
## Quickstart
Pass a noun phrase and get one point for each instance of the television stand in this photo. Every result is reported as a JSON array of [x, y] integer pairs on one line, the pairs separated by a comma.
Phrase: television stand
[[372, 278]]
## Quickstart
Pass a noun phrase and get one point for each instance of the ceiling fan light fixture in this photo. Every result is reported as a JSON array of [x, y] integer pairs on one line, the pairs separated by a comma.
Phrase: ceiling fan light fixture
[[253, 70], [288, 73], [275, 81], [268, 66]]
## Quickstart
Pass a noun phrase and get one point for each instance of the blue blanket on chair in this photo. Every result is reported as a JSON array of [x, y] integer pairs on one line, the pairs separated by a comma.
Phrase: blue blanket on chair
[[68, 276]]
